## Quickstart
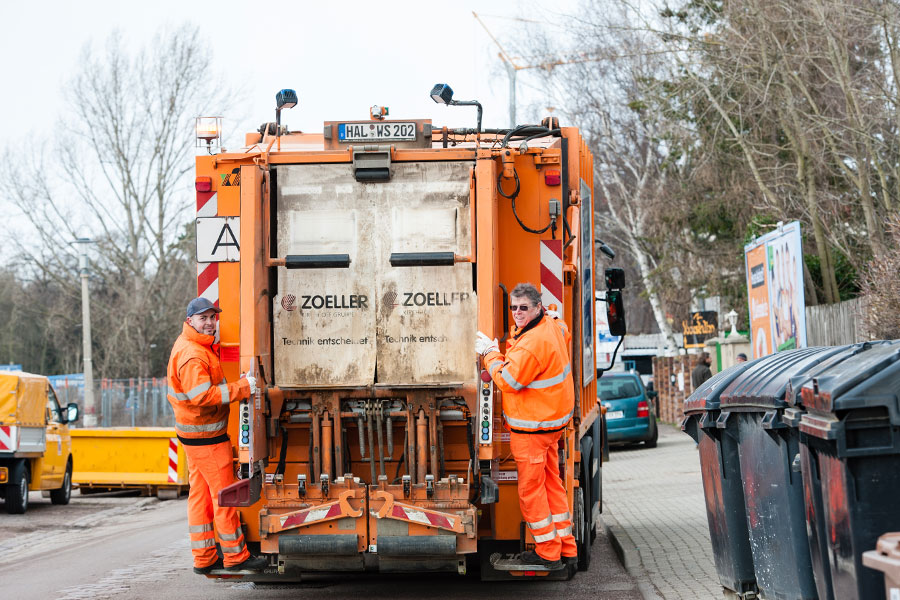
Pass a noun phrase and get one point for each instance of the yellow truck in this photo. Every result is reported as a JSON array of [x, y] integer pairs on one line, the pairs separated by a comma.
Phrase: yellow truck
[[35, 445]]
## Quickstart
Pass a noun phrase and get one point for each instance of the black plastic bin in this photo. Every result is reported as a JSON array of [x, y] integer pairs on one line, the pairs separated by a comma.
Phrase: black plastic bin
[[721, 483], [752, 408], [850, 441], [815, 525]]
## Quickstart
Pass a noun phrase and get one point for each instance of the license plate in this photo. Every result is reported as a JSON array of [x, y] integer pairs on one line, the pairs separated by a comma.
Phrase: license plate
[[615, 414], [377, 132]]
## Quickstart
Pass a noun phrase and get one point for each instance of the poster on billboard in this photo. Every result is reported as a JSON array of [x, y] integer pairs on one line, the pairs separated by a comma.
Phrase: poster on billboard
[[774, 264]]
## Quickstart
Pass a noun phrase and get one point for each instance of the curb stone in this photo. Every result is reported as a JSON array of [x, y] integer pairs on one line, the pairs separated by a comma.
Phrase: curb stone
[[628, 555]]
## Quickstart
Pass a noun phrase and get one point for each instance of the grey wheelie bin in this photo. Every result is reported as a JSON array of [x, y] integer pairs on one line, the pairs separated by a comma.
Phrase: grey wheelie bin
[[815, 524], [850, 446], [721, 484], [752, 407]]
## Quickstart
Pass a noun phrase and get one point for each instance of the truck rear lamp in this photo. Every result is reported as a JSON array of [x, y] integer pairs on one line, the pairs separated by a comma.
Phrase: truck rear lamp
[[552, 177], [203, 184], [643, 409], [4, 474]]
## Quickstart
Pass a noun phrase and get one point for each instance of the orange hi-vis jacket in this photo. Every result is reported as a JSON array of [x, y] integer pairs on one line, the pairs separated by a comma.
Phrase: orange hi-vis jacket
[[198, 392], [535, 377]]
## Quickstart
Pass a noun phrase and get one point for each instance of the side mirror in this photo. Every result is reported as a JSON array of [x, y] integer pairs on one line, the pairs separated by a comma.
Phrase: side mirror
[[72, 412], [615, 312]]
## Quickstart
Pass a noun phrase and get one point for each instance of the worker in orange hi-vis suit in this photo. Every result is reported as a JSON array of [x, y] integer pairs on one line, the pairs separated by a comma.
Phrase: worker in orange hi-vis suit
[[200, 397], [538, 402]]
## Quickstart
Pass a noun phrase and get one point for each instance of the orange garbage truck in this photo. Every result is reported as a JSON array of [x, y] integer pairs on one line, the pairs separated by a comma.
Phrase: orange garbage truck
[[354, 267]]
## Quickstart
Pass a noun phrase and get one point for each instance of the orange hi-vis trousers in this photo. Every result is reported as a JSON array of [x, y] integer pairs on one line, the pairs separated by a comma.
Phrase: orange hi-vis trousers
[[542, 496], [210, 469]]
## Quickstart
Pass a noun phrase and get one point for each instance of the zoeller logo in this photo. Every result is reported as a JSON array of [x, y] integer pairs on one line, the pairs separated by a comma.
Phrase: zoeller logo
[[433, 298], [334, 301], [288, 302], [389, 299]]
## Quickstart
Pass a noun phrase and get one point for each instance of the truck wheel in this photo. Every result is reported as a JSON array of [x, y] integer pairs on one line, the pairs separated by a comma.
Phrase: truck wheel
[[581, 532], [63, 494], [17, 490]]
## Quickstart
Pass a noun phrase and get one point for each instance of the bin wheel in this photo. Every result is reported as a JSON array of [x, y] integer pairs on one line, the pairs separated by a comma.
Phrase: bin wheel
[[582, 532], [651, 441], [64, 493], [17, 490]]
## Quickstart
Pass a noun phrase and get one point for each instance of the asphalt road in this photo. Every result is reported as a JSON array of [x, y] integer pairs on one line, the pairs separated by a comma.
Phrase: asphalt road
[[137, 548]]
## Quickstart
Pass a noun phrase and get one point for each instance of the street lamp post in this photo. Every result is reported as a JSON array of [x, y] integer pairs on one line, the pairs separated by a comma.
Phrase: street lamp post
[[90, 407]]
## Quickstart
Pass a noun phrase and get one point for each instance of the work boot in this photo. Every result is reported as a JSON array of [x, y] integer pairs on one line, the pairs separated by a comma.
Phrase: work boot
[[209, 568], [530, 557], [254, 563], [570, 560]]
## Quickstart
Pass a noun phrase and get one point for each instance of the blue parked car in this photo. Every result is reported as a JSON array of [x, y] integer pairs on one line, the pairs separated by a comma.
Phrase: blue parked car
[[630, 414]]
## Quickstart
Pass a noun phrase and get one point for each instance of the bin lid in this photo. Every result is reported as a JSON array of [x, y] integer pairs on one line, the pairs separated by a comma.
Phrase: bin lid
[[764, 382], [706, 397], [869, 377], [795, 385]]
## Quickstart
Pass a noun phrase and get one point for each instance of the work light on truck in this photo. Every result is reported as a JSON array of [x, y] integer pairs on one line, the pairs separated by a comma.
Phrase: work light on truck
[[442, 94], [209, 130]]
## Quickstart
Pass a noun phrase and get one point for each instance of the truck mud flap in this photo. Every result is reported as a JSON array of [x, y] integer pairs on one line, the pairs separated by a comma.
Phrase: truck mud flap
[[332, 545]]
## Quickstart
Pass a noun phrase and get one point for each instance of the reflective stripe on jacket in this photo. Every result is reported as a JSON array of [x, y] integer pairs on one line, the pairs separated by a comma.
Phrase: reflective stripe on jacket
[[535, 377], [198, 392]]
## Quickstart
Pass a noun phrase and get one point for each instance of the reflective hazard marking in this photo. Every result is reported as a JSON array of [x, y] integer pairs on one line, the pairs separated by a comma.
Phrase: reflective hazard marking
[[207, 204], [218, 239], [7, 437], [432, 519], [551, 274], [173, 460], [208, 281], [312, 515]]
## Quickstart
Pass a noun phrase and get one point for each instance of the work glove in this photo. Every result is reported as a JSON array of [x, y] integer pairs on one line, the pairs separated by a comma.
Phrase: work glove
[[484, 344], [551, 313], [252, 381]]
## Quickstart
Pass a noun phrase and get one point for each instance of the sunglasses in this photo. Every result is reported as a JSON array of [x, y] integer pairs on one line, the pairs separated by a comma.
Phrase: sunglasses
[[522, 307]]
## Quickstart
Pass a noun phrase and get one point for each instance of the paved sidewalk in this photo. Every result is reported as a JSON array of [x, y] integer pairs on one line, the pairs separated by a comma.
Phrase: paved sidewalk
[[654, 511]]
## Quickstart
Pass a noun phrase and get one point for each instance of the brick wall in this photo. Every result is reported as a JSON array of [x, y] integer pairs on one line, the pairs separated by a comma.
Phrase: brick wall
[[671, 400]]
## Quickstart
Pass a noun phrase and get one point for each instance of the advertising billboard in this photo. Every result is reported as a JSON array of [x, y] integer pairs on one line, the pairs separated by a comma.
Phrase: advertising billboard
[[774, 264]]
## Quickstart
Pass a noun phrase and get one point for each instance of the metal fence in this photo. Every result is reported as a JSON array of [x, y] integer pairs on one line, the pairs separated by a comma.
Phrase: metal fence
[[123, 402]]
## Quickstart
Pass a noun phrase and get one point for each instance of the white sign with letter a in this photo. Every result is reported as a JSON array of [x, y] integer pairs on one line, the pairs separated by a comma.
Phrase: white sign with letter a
[[218, 239]]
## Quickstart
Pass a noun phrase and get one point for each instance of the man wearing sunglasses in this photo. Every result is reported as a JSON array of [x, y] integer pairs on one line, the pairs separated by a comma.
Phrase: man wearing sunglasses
[[538, 402]]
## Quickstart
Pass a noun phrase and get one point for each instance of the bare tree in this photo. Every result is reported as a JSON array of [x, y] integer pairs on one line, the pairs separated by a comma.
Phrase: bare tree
[[119, 170]]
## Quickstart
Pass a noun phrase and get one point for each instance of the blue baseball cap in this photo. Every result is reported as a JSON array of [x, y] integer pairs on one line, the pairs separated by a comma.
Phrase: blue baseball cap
[[199, 305]]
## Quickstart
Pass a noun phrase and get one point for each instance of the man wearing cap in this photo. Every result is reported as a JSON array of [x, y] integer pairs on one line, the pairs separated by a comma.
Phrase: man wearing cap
[[200, 396], [538, 403]]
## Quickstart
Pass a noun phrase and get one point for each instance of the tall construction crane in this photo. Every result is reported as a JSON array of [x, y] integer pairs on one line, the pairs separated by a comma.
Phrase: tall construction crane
[[512, 68]]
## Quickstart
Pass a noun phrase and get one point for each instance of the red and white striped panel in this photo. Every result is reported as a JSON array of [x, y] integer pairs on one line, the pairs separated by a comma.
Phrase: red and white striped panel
[[552, 274], [319, 513], [419, 516], [173, 460], [208, 273], [207, 204], [208, 281], [7, 438]]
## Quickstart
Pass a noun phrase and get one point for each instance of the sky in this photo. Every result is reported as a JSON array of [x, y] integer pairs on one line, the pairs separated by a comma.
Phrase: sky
[[341, 56]]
